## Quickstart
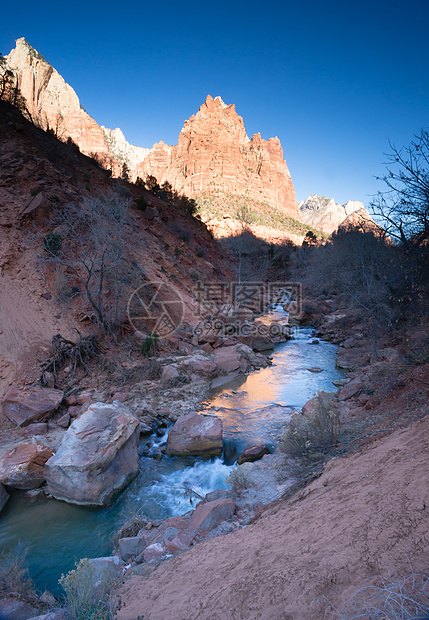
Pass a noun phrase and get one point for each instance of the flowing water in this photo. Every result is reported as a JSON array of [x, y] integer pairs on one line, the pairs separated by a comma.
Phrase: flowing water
[[254, 409]]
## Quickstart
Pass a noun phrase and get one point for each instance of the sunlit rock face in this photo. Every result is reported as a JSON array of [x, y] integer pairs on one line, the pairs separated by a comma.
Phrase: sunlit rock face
[[51, 102], [214, 156], [325, 214], [122, 150]]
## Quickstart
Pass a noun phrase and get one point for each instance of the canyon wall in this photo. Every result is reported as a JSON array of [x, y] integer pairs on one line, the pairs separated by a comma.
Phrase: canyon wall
[[215, 157]]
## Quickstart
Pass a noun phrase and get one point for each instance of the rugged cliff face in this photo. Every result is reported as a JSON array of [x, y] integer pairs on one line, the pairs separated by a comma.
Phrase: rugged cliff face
[[215, 157], [52, 103]]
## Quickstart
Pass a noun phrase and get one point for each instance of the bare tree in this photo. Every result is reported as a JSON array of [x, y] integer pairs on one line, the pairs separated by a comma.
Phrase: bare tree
[[92, 247], [404, 206]]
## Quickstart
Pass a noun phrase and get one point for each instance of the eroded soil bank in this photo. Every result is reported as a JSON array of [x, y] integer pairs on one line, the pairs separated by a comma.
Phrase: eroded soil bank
[[365, 516]]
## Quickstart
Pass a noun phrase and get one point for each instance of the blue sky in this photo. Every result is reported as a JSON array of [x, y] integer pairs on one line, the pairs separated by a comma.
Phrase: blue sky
[[333, 80]]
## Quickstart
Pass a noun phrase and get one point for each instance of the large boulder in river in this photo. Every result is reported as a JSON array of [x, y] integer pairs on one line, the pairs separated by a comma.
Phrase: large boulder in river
[[97, 456], [23, 466], [4, 496], [195, 435], [253, 453], [23, 406]]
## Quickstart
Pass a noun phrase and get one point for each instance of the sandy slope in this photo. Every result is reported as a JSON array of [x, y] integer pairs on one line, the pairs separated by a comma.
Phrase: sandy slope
[[361, 518], [27, 322]]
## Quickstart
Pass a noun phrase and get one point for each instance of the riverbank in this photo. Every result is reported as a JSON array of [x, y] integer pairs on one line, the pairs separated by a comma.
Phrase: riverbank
[[375, 398], [365, 516]]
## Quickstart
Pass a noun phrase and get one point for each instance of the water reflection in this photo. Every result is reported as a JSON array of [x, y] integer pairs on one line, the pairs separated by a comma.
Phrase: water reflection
[[61, 533]]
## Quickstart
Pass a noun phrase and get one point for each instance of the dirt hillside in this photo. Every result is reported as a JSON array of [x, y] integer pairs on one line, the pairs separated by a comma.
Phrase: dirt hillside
[[365, 516]]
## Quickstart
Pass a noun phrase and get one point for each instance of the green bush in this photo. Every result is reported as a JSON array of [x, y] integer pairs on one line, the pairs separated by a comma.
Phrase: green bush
[[52, 243], [141, 203], [150, 345], [177, 252], [34, 191], [199, 252]]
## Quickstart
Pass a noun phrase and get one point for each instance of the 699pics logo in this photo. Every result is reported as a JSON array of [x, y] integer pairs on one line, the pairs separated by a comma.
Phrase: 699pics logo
[[155, 308]]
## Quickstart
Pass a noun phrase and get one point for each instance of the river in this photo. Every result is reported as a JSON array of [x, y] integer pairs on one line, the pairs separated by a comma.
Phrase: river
[[254, 408]]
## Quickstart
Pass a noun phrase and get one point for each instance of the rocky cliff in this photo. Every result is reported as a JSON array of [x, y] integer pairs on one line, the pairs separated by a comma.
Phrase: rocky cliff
[[53, 104], [326, 215], [214, 157]]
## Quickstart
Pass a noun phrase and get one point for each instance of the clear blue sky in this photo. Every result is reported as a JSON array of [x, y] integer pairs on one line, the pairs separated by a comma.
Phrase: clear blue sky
[[333, 80]]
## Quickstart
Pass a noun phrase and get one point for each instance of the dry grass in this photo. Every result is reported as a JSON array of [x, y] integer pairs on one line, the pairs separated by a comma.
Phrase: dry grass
[[88, 592], [313, 434], [405, 598], [239, 479], [14, 580]]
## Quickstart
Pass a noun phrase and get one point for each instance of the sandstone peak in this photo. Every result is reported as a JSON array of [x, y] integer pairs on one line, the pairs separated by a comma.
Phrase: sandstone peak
[[214, 102], [214, 157]]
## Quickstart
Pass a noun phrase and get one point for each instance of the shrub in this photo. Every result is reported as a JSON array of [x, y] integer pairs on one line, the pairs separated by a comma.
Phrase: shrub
[[149, 345], [199, 252], [404, 598], [239, 479], [177, 252], [87, 592], [141, 203], [14, 578], [314, 433], [34, 191], [52, 243]]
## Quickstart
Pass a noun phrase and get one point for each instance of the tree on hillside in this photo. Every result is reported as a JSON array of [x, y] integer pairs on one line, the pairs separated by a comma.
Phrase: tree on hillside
[[404, 206], [6, 78], [92, 252]]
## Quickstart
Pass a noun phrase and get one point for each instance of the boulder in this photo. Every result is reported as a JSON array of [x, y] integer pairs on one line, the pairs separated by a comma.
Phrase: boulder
[[64, 420], [39, 205], [227, 359], [210, 515], [4, 496], [23, 466], [202, 366], [351, 359], [180, 542], [97, 457], [131, 546], [169, 372], [351, 389], [195, 435], [253, 453], [112, 566], [150, 213], [313, 406], [24, 406], [38, 428], [154, 552], [258, 342]]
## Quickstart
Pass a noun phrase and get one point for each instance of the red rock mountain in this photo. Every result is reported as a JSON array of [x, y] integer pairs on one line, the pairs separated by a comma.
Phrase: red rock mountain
[[52, 103], [214, 156]]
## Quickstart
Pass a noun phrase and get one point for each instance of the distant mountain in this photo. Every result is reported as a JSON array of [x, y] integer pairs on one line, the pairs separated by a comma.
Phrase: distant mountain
[[326, 215]]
